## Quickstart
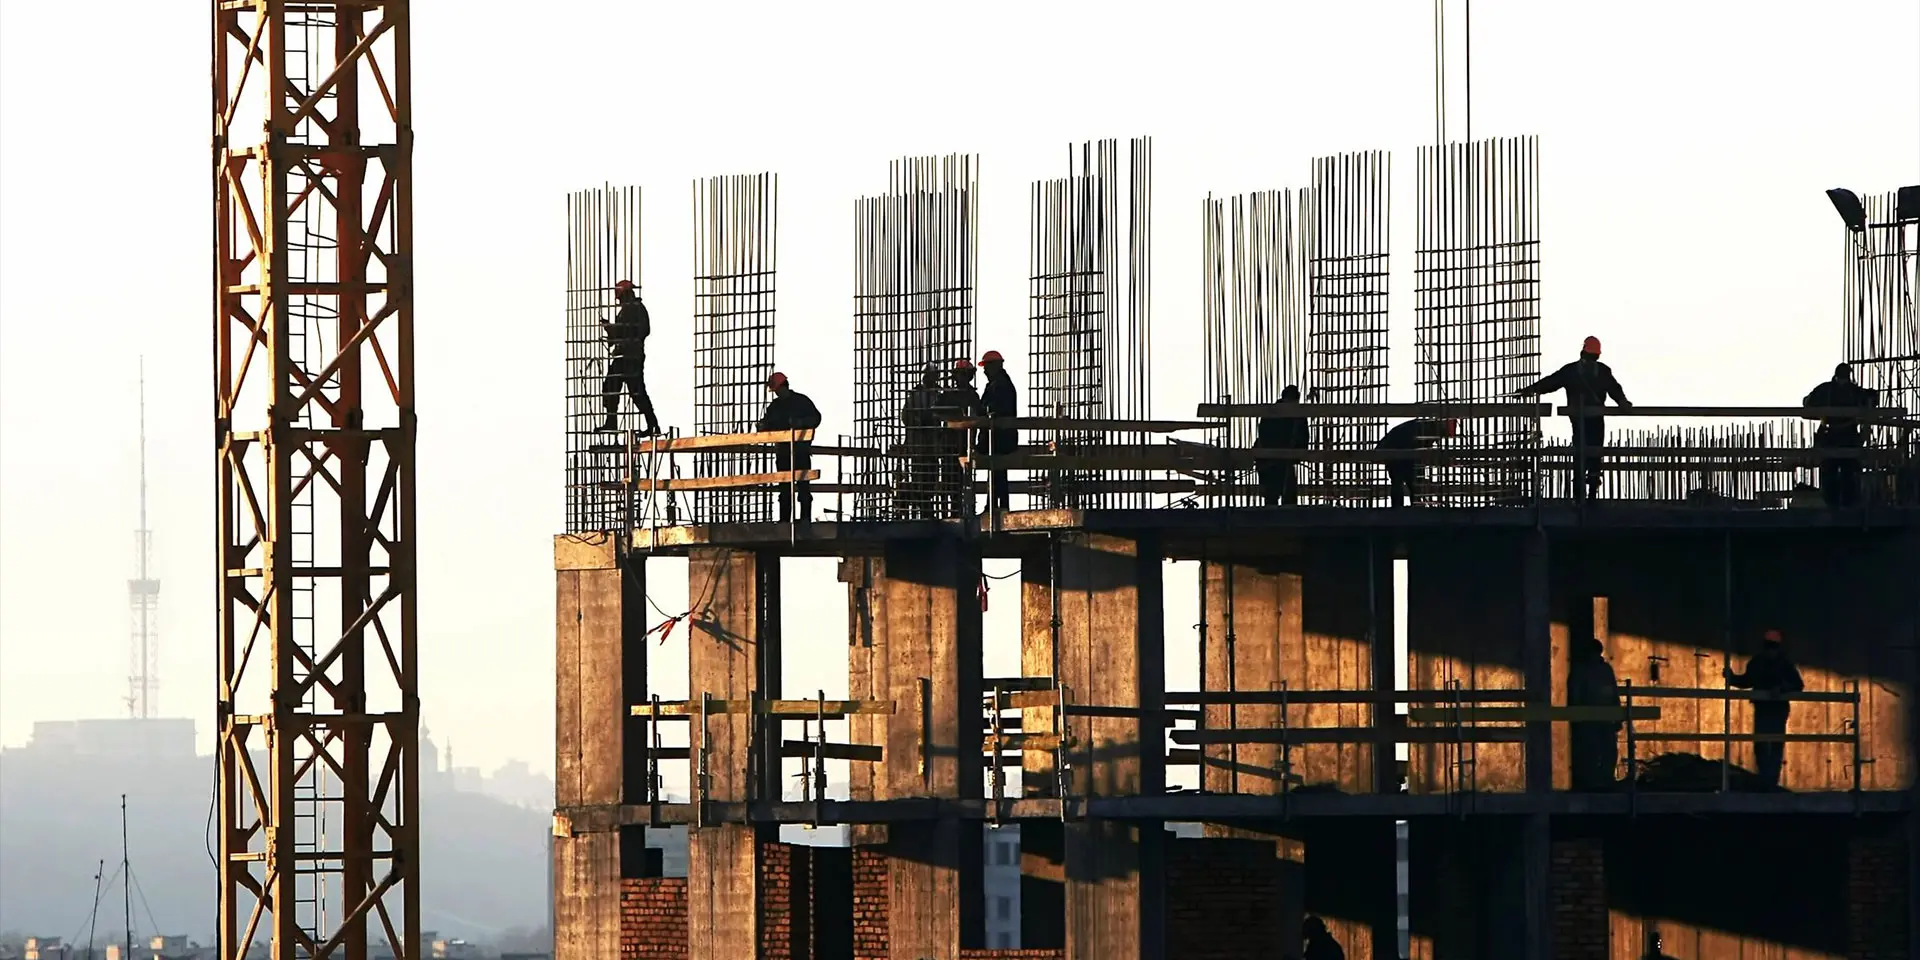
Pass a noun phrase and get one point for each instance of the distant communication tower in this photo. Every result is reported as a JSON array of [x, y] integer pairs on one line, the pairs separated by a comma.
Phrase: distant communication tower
[[143, 596]]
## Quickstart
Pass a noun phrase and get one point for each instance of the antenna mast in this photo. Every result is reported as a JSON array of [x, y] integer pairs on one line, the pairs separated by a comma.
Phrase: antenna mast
[[143, 595]]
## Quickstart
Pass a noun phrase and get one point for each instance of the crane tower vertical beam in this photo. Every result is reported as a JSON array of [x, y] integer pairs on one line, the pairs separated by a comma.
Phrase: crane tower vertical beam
[[318, 717]]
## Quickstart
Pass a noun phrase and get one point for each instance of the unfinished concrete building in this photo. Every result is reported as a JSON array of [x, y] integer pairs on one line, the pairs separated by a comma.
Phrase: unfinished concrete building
[[1300, 748]]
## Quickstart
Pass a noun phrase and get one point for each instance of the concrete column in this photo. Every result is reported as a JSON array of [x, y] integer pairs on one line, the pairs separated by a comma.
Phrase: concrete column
[[1467, 623], [1110, 653], [601, 668], [733, 653]]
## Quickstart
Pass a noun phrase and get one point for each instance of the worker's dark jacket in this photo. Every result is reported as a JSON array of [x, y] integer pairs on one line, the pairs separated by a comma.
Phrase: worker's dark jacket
[[790, 411], [956, 402], [1839, 432], [1769, 673], [1588, 385], [1324, 947], [627, 334], [999, 400], [1591, 683], [920, 414], [1413, 435], [1281, 433]]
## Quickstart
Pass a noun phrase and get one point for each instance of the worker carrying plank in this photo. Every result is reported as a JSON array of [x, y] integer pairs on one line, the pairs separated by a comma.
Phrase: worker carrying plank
[[1588, 383], [1000, 399], [1403, 475], [627, 359], [1279, 481], [1840, 476], [791, 410]]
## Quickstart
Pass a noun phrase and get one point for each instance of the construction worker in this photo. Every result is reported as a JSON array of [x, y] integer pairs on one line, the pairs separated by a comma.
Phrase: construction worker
[[1319, 942], [1411, 435], [1769, 672], [1588, 383], [958, 400], [627, 359], [791, 410], [1840, 476], [1000, 399], [1279, 483], [920, 415], [1594, 746]]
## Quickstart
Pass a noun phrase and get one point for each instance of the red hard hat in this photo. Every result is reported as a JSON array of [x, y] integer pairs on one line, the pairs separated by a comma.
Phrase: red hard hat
[[1591, 345], [993, 356], [963, 364], [1452, 427], [777, 380], [624, 285], [1772, 636]]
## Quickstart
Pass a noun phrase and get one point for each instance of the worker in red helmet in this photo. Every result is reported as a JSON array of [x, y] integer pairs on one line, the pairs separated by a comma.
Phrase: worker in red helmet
[[1000, 400], [1404, 476], [1840, 476], [958, 400], [1770, 673], [925, 437], [627, 359], [1588, 383], [791, 410]]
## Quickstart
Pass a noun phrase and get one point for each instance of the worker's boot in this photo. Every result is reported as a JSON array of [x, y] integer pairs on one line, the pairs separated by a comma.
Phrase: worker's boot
[[653, 427], [610, 425]]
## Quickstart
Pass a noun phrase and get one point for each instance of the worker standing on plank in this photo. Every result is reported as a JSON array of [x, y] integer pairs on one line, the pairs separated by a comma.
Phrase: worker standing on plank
[[791, 410], [1588, 383], [957, 401], [1000, 399], [1769, 672], [1279, 482], [627, 359], [920, 416], [1411, 435], [1594, 745], [1840, 476]]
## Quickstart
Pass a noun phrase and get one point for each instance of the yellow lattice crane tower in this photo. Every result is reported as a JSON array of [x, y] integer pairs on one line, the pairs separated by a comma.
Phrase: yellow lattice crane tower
[[313, 387]]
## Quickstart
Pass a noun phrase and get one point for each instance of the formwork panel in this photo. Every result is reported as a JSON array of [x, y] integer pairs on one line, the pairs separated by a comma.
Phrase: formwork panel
[[1465, 633]]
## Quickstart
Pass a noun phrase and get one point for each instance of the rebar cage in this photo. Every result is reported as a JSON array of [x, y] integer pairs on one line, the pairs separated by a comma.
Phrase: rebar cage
[[1477, 303], [1088, 321], [736, 229], [1881, 332], [603, 248], [916, 254], [1254, 305], [1347, 286]]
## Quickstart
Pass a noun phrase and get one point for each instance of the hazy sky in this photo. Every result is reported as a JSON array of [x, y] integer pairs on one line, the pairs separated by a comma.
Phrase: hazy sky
[[1685, 147]]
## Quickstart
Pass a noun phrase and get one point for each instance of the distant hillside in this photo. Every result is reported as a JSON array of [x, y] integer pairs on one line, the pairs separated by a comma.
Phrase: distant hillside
[[484, 863]]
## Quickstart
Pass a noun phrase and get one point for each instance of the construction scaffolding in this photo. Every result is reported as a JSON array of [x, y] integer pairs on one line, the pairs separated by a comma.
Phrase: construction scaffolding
[[603, 248], [1089, 313], [736, 238], [1254, 305], [1477, 302], [1881, 333], [1347, 286], [917, 252]]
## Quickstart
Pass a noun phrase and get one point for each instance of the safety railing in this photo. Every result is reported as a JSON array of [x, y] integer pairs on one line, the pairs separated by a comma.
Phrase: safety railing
[[1849, 735]]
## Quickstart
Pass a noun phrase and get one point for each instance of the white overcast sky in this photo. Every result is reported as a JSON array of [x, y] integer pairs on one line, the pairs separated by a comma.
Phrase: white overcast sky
[[1685, 150]]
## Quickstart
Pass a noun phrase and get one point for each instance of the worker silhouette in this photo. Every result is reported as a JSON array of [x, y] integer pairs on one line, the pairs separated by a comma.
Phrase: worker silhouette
[[1840, 476], [1319, 943], [1000, 399], [920, 417], [1588, 383], [1594, 747], [1769, 672], [1279, 480], [958, 400], [791, 410], [1404, 475], [627, 359]]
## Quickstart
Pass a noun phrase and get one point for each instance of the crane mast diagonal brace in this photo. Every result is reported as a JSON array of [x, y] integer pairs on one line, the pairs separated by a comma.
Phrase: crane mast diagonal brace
[[318, 714]]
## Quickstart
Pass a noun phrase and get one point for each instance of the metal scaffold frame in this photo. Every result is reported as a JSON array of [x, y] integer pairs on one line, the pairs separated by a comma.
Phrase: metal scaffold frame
[[314, 424], [736, 239]]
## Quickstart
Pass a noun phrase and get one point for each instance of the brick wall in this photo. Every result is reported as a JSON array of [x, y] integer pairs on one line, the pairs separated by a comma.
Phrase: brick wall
[[1216, 885], [870, 935], [777, 901], [653, 919], [1877, 894], [1577, 892]]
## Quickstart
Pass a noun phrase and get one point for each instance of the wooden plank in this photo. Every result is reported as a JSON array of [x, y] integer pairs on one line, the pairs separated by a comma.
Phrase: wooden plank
[[1313, 735], [1744, 737], [1087, 425], [717, 441], [1754, 413], [746, 481], [834, 709], [1715, 693], [863, 752], [1347, 696], [1478, 714], [1373, 410]]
